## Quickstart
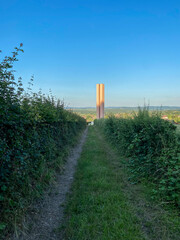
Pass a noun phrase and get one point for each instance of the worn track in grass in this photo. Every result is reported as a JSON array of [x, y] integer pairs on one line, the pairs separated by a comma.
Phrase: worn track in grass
[[48, 213], [106, 205]]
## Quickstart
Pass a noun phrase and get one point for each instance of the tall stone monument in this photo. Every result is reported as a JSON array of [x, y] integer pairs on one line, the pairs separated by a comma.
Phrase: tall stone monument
[[100, 100]]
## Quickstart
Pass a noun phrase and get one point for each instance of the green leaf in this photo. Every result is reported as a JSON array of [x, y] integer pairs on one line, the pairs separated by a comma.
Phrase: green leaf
[[2, 226]]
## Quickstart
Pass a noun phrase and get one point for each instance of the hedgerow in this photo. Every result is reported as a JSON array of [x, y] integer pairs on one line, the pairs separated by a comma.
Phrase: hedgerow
[[35, 132], [152, 147]]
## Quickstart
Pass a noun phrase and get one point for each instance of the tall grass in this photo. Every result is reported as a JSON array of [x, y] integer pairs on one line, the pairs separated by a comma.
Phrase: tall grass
[[152, 147]]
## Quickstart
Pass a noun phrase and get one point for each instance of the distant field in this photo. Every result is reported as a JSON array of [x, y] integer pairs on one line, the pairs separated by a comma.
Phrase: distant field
[[85, 110], [90, 113], [123, 110], [107, 110]]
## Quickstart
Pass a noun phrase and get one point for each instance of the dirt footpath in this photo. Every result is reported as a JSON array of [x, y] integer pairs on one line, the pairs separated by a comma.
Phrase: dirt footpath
[[48, 213]]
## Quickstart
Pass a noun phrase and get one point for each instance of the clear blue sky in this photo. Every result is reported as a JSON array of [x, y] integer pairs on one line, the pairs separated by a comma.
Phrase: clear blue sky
[[132, 46]]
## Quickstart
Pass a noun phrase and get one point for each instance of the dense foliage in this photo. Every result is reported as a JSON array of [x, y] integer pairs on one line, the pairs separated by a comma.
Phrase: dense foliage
[[152, 147], [35, 132]]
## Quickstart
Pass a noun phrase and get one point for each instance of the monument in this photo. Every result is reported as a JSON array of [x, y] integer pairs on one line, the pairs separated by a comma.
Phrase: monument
[[100, 100]]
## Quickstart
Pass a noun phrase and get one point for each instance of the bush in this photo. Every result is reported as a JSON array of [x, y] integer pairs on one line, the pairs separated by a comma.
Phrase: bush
[[35, 132], [152, 146]]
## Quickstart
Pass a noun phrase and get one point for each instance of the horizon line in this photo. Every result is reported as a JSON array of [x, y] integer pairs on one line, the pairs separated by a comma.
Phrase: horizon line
[[150, 106]]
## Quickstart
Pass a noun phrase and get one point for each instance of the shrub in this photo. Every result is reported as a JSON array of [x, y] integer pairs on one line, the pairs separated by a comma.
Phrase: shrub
[[152, 146], [35, 131]]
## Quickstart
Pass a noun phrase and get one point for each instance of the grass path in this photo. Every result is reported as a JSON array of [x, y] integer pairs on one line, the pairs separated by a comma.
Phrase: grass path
[[104, 205]]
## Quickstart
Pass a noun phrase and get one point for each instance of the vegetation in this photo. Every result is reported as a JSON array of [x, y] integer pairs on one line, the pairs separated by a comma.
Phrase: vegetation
[[98, 208], [171, 114], [152, 147], [104, 205], [35, 132]]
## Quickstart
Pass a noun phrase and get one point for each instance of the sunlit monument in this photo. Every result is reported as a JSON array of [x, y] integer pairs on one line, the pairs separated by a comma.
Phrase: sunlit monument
[[100, 100]]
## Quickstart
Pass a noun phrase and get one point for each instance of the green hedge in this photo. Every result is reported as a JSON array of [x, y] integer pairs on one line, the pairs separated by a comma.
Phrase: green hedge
[[35, 133], [152, 147]]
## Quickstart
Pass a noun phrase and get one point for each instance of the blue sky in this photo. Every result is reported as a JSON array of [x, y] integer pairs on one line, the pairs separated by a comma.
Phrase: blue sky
[[131, 46]]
